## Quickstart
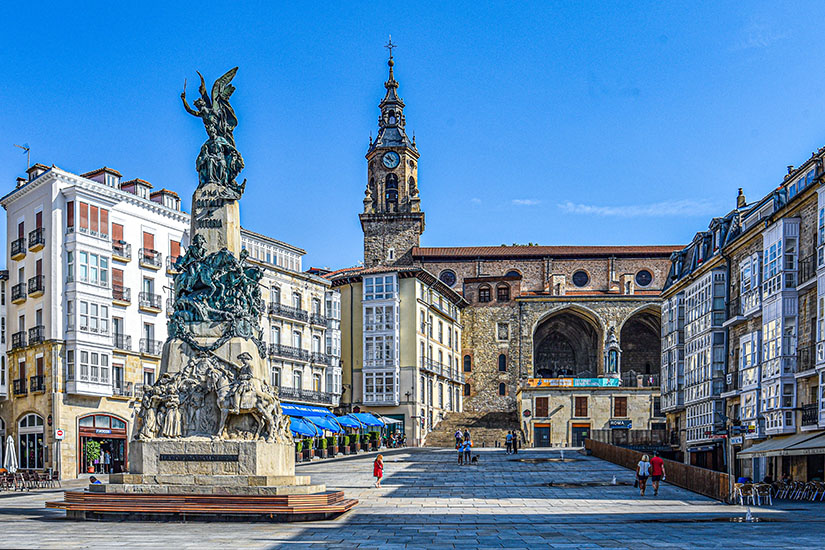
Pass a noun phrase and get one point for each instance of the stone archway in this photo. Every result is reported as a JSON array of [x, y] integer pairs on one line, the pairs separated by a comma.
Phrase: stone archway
[[567, 343], [640, 340]]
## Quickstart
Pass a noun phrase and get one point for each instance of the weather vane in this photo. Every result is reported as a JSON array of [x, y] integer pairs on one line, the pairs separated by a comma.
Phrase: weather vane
[[390, 46]]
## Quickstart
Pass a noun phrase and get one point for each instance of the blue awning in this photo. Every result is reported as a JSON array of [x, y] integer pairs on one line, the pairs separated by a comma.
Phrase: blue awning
[[300, 426], [368, 419], [349, 421], [297, 409], [325, 423]]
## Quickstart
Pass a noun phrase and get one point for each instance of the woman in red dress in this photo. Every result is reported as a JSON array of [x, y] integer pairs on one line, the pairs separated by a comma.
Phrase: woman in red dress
[[378, 470]]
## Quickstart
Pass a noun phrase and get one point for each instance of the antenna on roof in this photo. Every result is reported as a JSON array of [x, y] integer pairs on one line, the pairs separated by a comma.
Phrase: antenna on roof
[[27, 149]]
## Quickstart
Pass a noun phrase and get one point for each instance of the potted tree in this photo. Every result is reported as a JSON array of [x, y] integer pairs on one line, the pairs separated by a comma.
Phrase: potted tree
[[321, 449], [299, 446], [307, 449], [356, 446], [92, 455], [345, 442], [332, 446]]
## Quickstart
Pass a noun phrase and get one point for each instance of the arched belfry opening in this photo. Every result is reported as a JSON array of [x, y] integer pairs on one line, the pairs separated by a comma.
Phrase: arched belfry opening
[[641, 344], [567, 344]]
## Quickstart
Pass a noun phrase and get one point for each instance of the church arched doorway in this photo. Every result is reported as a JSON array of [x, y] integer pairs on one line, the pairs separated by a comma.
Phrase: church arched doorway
[[640, 341], [567, 344]]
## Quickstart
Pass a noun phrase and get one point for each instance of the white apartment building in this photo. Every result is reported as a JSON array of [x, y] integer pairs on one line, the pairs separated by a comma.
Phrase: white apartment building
[[673, 354], [91, 265]]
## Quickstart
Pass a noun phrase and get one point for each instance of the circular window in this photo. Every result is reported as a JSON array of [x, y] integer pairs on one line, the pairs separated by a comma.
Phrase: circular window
[[580, 278], [513, 273], [448, 277], [644, 278]]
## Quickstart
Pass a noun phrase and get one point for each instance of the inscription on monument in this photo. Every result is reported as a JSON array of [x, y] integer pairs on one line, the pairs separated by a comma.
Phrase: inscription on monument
[[197, 458]]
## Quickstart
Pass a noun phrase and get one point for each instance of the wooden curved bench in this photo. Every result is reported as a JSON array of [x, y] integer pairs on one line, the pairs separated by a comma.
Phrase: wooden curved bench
[[87, 505]]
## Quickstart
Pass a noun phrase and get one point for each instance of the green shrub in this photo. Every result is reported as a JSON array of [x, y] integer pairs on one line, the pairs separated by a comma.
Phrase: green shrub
[[375, 435], [346, 440], [299, 446], [92, 451], [331, 441], [324, 443]]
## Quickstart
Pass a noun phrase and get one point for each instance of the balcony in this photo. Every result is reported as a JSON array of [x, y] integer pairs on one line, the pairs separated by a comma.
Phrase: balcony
[[121, 251], [171, 266], [306, 396], [317, 319], [149, 302], [320, 359], [18, 249], [37, 239], [430, 365], [37, 384], [121, 295], [18, 340], [37, 286], [805, 360], [87, 386], [288, 312], [633, 380], [122, 342], [36, 335], [18, 293], [810, 415], [279, 350], [807, 271], [150, 258], [19, 387], [151, 347], [121, 389], [675, 439]]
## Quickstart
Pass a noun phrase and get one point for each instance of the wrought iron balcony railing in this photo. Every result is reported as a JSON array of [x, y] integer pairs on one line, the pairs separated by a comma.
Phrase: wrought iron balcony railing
[[317, 319], [289, 312], [37, 383], [122, 294], [18, 248], [18, 292], [37, 238], [18, 340], [810, 415], [280, 350], [807, 268], [151, 347], [36, 334], [150, 257], [122, 341], [122, 249], [37, 284], [147, 299], [296, 394]]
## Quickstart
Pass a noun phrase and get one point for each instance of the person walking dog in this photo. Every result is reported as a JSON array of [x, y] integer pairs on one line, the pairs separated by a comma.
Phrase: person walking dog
[[378, 470]]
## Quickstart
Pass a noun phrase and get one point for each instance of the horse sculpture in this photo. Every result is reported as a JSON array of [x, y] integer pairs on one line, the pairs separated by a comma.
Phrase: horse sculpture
[[252, 401]]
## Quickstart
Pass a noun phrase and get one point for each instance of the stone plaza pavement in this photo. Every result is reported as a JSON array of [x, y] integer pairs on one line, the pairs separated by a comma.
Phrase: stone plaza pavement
[[427, 501]]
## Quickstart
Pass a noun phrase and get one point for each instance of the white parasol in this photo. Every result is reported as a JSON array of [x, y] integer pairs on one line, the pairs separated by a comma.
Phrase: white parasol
[[10, 460]]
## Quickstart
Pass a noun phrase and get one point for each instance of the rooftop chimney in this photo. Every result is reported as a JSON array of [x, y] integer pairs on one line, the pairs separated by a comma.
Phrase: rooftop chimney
[[21, 182], [740, 199]]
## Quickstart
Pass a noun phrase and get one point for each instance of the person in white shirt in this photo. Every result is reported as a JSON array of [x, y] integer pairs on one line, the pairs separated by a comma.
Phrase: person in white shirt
[[642, 473]]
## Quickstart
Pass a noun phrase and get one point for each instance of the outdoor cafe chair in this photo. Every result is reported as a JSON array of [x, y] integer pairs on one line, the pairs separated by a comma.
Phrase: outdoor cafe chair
[[745, 493], [762, 493]]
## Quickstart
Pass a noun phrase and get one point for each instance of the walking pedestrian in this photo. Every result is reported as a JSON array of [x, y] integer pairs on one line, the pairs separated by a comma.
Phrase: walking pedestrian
[[378, 470], [657, 471], [466, 434], [508, 442], [459, 446], [515, 442], [468, 446], [642, 473], [458, 436]]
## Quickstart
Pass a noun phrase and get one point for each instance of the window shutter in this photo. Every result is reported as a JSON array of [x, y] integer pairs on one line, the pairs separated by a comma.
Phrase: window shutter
[[84, 215], [104, 221], [117, 277], [38, 267], [38, 220], [39, 363], [117, 232], [542, 406], [148, 241], [70, 214], [174, 249], [93, 214]]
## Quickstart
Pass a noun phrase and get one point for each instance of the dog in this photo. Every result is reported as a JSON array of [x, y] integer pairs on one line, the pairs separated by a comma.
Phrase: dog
[[474, 460]]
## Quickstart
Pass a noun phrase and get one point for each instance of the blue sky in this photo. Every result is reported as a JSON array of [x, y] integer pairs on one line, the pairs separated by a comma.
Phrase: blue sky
[[555, 123]]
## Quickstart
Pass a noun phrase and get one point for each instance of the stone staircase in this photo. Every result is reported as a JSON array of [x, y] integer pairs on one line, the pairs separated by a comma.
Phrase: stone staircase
[[485, 428]]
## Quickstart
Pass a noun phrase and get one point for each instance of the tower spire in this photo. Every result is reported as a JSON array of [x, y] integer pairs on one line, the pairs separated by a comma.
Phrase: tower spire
[[392, 121]]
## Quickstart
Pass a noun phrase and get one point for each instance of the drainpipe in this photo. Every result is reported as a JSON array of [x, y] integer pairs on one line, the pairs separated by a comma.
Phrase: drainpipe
[[728, 444]]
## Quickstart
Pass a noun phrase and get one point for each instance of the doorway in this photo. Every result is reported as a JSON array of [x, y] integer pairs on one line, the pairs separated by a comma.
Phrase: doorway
[[109, 432], [541, 435], [579, 434]]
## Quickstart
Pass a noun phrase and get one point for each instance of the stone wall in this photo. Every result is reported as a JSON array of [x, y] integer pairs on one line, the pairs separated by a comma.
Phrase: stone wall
[[399, 232]]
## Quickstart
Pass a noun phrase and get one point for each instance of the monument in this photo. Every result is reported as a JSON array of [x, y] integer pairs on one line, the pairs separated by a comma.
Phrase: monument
[[211, 425]]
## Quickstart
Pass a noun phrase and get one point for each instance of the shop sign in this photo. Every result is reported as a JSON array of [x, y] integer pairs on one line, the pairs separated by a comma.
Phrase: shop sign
[[737, 440], [620, 424], [527, 413], [59, 435], [101, 431], [572, 382]]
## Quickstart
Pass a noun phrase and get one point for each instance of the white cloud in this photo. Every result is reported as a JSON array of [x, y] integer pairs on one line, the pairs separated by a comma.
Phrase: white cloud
[[685, 207], [757, 35], [526, 202], [475, 200]]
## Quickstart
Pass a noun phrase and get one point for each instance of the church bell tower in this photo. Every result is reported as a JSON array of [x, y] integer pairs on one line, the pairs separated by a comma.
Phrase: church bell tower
[[392, 219]]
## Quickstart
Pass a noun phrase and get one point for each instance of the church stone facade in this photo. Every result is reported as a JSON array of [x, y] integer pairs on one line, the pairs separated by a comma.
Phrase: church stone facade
[[552, 313]]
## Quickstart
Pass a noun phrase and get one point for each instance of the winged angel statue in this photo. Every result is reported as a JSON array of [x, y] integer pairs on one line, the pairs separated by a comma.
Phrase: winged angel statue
[[219, 162]]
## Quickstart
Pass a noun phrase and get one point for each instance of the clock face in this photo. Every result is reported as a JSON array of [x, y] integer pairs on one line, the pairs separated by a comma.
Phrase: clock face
[[390, 159]]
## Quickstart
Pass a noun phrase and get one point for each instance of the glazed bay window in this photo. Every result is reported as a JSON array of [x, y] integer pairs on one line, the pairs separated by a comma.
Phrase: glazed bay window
[[381, 287], [94, 317], [379, 350], [377, 318], [94, 269], [94, 367], [379, 387]]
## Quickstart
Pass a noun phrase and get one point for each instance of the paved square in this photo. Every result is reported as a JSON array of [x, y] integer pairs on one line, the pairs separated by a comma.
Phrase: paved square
[[427, 501]]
